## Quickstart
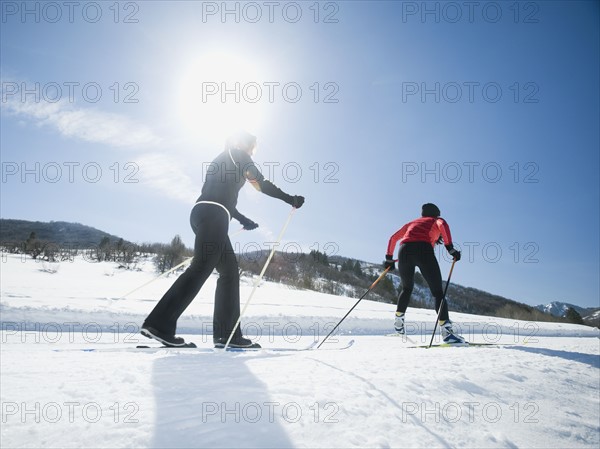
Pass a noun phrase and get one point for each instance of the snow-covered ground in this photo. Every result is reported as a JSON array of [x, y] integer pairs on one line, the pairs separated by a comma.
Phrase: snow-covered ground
[[543, 390]]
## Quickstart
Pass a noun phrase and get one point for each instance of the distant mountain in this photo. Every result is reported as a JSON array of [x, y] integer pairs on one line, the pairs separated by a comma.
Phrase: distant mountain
[[57, 232], [557, 308], [593, 319], [591, 316]]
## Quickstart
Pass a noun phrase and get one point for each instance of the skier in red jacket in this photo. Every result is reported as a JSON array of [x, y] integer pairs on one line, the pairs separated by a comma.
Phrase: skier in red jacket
[[417, 240]]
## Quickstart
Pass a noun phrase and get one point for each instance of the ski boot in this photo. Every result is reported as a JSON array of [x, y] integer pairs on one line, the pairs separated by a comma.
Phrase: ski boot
[[399, 323], [448, 334], [167, 340], [236, 342]]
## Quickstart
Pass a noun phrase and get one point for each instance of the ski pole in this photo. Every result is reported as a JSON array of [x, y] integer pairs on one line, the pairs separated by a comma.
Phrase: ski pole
[[167, 272], [155, 278], [237, 323], [359, 300], [442, 303]]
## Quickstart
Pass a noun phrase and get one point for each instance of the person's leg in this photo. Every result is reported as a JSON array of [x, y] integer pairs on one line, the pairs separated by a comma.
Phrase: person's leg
[[227, 295], [406, 270], [210, 224], [430, 269]]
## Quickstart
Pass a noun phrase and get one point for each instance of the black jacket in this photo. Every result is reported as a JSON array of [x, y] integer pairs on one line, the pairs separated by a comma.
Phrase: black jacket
[[228, 173]]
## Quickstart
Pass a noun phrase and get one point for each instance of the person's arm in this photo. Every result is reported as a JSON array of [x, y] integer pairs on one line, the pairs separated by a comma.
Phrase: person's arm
[[245, 221], [445, 231], [389, 263], [394, 240], [254, 176]]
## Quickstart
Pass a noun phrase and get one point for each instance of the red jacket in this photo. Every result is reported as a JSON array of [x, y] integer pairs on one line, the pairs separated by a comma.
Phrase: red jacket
[[424, 229]]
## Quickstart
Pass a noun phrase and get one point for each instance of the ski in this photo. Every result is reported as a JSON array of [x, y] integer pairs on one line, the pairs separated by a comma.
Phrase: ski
[[461, 345], [184, 346], [345, 346], [194, 349], [405, 338]]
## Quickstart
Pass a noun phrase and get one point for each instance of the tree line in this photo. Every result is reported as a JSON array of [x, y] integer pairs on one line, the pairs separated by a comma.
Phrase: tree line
[[313, 271], [128, 255]]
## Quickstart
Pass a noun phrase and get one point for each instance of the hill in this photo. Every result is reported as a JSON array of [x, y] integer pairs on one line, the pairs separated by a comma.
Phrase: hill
[[315, 271], [56, 232], [557, 308], [590, 316], [350, 277]]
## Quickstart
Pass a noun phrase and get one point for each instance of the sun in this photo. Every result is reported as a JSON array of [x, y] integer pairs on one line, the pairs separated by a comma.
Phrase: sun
[[220, 92]]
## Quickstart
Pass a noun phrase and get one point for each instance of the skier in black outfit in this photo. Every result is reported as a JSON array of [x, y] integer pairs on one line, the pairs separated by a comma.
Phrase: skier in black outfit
[[209, 219]]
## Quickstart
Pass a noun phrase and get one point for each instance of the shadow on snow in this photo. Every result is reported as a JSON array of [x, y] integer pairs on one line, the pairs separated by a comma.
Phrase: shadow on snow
[[213, 400], [587, 359]]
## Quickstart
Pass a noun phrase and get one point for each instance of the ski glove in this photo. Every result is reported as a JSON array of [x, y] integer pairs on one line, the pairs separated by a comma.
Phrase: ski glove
[[453, 252], [248, 224], [389, 262], [244, 221], [296, 201]]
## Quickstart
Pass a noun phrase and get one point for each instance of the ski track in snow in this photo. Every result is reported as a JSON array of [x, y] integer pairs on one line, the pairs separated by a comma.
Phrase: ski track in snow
[[540, 392]]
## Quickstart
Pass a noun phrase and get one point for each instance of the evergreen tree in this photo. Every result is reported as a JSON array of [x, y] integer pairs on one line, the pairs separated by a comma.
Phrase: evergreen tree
[[387, 287], [169, 256], [176, 251], [347, 265], [120, 252], [104, 249], [319, 257], [573, 316], [33, 246]]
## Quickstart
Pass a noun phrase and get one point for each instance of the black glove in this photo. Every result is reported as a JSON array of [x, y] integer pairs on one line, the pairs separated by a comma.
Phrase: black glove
[[248, 224], [296, 201], [389, 262], [453, 252]]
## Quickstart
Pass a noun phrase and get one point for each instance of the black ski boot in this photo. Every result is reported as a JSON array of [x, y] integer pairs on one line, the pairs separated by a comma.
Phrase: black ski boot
[[236, 342], [167, 340]]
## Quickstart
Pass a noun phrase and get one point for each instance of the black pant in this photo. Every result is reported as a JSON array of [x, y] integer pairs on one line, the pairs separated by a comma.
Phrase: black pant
[[420, 254], [212, 249]]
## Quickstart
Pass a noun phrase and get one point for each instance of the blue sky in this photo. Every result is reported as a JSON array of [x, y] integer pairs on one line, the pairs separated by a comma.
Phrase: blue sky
[[369, 109]]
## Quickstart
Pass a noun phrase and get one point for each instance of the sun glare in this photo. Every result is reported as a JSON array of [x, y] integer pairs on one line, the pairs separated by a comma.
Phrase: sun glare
[[218, 93]]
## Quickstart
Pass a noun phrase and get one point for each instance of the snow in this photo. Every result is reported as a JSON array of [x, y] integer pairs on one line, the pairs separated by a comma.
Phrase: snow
[[540, 391], [596, 314]]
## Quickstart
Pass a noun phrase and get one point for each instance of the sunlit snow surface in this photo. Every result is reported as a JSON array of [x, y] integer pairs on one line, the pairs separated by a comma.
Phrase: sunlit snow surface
[[542, 391]]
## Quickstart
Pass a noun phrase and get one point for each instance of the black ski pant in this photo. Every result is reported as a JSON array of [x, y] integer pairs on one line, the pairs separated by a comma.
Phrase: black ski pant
[[212, 249], [420, 254]]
